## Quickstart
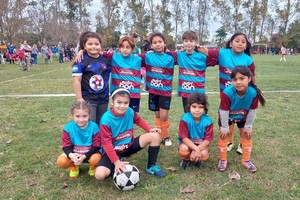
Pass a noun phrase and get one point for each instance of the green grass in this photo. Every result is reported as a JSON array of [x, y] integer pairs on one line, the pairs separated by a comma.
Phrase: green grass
[[30, 139]]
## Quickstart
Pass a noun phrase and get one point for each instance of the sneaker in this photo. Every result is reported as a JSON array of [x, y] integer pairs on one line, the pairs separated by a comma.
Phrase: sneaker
[[74, 171], [198, 164], [92, 170], [229, 146], [184, 164], [222, 165], [249, 165], [156, 171], [167, 142], [239, 149]]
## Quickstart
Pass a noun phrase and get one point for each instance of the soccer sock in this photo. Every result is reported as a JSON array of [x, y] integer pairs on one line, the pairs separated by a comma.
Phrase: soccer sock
[[165, 126], [185, 155], [222, 147], [231, 133], [94, 159], [246, 147], [157, 123], [152, 155]]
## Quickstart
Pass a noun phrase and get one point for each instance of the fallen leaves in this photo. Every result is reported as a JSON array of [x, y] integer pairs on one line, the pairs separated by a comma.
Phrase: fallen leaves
[[188, 189], [234, 176]]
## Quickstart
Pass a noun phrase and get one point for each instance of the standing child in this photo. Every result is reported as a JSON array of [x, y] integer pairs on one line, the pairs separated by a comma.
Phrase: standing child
[[91, 76], [239, 102], [196, 131], [80, 141], [283, 53], [159, 75], [236, 53], [117, 127]]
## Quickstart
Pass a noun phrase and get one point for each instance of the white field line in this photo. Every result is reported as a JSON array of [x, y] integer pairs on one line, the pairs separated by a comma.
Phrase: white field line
[[144, 93], [47, 72]]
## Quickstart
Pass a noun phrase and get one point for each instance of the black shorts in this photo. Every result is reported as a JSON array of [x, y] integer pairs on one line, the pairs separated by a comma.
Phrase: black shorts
[[135, 104], [156, 102], [134, 148], [240, 124]]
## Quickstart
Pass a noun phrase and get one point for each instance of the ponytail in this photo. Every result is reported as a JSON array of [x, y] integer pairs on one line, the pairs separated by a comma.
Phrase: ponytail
[[260, 95]]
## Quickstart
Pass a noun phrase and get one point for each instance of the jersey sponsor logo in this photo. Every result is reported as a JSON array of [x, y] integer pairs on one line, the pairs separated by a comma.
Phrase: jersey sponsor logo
[[96, 82], [156, 83], [126, 84], [121, 147], [126, 72], [227, 83], [188, 72], [74, 69], [228, 71], [121, 136], [196, 140], [188, 85], [241, 112], [157, 70], [81, 149]]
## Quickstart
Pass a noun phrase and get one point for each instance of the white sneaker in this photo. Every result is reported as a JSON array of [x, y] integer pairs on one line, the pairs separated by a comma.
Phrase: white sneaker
[[167, 142]]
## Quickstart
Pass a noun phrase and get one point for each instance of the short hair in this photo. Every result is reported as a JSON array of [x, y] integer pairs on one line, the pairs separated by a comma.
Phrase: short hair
[[190, 35], [128, 39], [198, 98]]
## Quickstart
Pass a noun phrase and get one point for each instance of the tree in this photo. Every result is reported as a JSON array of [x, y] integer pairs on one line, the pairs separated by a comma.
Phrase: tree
[[221, 35]]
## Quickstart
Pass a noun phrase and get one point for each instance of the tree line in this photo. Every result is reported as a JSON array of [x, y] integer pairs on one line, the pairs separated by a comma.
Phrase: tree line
[[51, 21]]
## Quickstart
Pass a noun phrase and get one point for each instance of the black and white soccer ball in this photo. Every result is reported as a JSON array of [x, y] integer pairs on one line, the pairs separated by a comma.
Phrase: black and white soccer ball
[[128, 179]]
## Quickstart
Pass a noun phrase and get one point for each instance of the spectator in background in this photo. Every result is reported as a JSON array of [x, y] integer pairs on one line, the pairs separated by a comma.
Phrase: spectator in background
[[34, 54], [44, 53], [60, 53], [147, 46], [135, 38], [10, 53]]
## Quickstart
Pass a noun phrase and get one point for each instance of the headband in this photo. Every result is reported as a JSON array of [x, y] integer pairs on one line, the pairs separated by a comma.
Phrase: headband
[[120, 90]]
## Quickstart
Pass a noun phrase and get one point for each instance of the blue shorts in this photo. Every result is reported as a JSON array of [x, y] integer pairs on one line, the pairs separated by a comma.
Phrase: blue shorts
[[157, 101], [134, 148]]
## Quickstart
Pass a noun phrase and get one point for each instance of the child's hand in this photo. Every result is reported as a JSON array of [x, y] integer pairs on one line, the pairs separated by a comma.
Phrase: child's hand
[[196, 155], [202, 49], [79, 56], [120, 166], [80, 159], [248, 134], [74, 157], [155, 130], [224, 135]]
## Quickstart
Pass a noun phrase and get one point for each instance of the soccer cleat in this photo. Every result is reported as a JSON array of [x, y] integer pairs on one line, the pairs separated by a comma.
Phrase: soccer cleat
[[229, 146], [184, 164], [249, 165], [156, 171], [239, 149], [198, 164], [167, 142], [74, 171], [222, 166], [92, 170]]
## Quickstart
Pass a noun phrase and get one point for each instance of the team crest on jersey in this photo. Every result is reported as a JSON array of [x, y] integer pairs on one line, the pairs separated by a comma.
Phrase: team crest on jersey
[[126, 84], [156, 83], [96, 82], [188, 85]]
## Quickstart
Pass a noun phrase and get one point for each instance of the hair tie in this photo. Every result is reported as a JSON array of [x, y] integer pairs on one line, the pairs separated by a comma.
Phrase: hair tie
[[120, 90]]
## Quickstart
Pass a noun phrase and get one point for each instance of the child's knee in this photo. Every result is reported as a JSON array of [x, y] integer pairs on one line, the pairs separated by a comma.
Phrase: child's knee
[[101, 173], [94, 159], [63, 161], [184, 152]]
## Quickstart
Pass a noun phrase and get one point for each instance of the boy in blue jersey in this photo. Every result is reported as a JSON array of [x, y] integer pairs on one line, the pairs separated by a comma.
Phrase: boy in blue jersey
[[80, 141], [117, 127], [196, 131]]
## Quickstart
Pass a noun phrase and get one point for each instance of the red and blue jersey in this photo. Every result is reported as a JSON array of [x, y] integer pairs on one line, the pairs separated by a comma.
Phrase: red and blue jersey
[[192, 69], [159, 73], [95, 74], [196, 132], [81, 140], [227, 60], [126, 73], [238, 106]]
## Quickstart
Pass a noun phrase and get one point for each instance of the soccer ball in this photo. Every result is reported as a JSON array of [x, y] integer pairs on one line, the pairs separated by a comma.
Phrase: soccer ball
[[127, 179]]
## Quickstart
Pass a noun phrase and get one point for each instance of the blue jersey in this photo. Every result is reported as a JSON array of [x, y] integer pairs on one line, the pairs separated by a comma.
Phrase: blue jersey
[[95, 74], [121, 129], [159, 73], [126, 73], [238, 106], [191, 76], [80, 139], [196, 132]]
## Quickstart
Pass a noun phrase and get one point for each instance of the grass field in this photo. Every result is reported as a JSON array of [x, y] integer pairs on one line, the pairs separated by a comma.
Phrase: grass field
[[30, 139]]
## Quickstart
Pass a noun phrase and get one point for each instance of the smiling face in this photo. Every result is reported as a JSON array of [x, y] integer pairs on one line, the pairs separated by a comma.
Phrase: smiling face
[[239, 44], [189, 45], [81, 117], [197, 110], [125, 48], [240, 83], [92, 47], [120, 104], [158, 44]]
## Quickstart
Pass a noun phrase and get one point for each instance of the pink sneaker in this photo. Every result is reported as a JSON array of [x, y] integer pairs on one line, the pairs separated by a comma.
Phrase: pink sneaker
[[249, 165], [222, 166]]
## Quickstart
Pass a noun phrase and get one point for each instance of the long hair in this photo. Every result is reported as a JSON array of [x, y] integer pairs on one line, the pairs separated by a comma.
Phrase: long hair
[[246, 72], [85, 36], [248, 47]]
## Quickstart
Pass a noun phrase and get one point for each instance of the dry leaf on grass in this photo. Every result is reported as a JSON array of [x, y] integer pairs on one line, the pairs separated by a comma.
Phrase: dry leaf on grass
[[171, 169], [187, 189], [64, 186], [234, 176], [8, 141]]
